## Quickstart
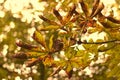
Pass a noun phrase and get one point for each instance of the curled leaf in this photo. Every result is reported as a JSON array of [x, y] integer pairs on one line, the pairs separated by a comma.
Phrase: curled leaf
[[57, 45]]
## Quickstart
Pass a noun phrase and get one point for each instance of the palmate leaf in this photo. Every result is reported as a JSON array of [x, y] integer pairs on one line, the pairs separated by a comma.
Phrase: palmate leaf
[[37, 36]]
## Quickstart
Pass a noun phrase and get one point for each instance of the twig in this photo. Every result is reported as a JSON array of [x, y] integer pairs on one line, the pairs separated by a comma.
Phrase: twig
[[110, 41]]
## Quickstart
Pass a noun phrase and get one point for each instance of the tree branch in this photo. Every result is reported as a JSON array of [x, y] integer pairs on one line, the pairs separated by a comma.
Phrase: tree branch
[[110, 41]]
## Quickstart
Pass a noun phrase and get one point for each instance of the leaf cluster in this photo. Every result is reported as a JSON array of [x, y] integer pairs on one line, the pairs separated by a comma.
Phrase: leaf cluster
[[62, 33]]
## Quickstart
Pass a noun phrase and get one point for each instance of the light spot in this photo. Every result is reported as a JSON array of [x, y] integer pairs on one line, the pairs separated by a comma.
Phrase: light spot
[[12, 24], [5, 50], [2, 14], [18, 78]]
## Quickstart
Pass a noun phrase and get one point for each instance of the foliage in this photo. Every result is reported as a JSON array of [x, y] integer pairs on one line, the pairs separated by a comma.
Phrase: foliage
[[61, 43]]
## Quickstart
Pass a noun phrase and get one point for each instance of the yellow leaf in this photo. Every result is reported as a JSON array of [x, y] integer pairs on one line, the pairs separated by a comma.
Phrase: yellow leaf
[[39, 38]]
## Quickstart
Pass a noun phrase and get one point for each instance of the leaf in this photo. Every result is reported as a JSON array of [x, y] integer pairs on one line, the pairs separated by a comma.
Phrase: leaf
[[50, 27], [95, 5], [109, 24], [59, 17], [69, 53], [70, 13], [103, 47], [34, 54], [37, 36], [114, 72], [69, 70], [84, 8], [32, 62], [98, 10], [20, 55], [57, 45], [48, 21], [91, 48], [48, 60], [113, 20], [29, 46], [51, 42]]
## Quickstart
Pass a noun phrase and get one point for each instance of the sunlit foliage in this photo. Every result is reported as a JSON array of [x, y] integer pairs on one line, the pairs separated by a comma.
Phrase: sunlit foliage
[[64, 39]]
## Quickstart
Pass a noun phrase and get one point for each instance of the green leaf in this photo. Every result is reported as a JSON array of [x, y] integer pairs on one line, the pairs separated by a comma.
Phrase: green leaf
[[51, 42], [106, 47], [114, 72], [70, 52], [34, 54], [37, 36]]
